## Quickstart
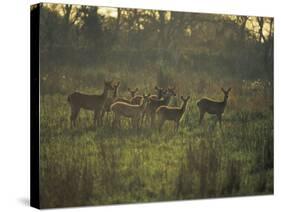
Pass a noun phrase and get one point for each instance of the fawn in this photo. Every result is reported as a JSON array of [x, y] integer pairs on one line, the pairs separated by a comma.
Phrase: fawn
[[213, 107], [171, 113], [128, 110], [89, 102], [153, 104]]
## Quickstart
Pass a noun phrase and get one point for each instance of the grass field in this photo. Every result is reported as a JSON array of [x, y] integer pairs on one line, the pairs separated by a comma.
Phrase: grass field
[[83, 166]]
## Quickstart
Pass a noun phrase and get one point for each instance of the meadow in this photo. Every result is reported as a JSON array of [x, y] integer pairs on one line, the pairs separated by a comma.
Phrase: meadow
[[86, 166]]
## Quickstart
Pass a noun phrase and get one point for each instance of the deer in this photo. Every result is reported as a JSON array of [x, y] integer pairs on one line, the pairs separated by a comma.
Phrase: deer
[[110, 100], [123, 99], [128, 110], [168, 113], [135, 100], [153, 104], [210, 106], [94, 103]]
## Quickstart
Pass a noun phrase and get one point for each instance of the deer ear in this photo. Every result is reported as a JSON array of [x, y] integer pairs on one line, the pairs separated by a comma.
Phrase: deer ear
[[229, 90], [156, 87], [182, 98], [187, 98], [118, 83], [223, 90]]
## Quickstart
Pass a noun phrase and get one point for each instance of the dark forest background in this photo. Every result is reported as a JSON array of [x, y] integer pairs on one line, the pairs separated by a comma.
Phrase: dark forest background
[[76, 38]]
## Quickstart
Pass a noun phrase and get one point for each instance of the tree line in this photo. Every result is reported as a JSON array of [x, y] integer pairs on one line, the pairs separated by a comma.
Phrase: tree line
[[87, 36]]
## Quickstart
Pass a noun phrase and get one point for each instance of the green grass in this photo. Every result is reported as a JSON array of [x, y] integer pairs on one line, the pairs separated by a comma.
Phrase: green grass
[[84, 166]]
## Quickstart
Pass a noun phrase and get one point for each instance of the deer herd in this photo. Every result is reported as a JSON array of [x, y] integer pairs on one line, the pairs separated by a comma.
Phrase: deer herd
[[154, 108]]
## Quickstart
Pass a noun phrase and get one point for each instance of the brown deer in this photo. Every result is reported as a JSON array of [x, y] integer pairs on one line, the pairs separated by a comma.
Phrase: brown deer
[[167, 113], [88, 102], [153, 104], [213, 107], [128, 110], [110, 100]]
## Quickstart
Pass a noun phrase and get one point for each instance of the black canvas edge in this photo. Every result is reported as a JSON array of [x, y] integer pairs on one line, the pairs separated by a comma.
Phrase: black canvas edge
[[34, 105]]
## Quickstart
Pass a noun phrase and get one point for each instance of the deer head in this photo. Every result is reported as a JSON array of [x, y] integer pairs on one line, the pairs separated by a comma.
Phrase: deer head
[[133, 92], [159, 91], [225, 93], [171, 91], [117, 84], [108, 85]]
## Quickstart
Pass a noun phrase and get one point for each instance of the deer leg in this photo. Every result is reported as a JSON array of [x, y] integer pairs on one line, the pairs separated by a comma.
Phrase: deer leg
[[108, 116], [99, 117], [146, 118], [152, 119], [96, 117], [113, 121], [135, 122], [142, 118], [177, 125], [71, 122], [201, 117], [219, 119], [161, 122], [131, 122], [73, 117], [116, 121], [138, 122], [119, 122], [100, 120], [103, 115]]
